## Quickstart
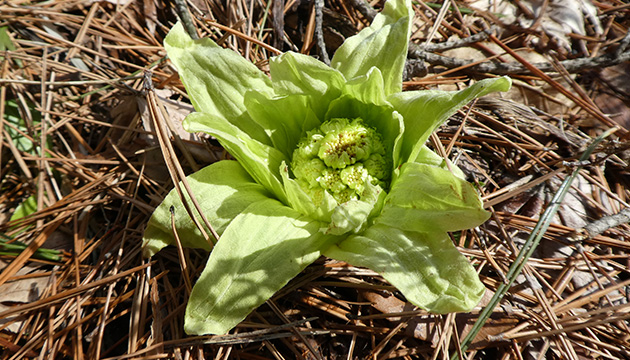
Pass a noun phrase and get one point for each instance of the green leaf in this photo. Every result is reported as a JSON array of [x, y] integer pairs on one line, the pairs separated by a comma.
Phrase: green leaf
[[429, 198], [5, 40], [262, 249], [429, 157], [300, 201], [14, 248], [216, 79], [425, 267], [383, 45], [285, 119], [223, 189], [423, 111], [26, 208], [348, 217], [6, 44], [293, 73], [19, 128], [353, 216], [261, 161], [367, 88]]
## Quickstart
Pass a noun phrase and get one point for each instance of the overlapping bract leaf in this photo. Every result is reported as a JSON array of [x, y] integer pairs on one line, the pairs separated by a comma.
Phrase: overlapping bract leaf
[[270, 227]]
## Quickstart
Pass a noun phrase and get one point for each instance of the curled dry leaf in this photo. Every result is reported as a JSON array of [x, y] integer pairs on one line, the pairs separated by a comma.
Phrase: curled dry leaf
[[423, 327], [556, 19]]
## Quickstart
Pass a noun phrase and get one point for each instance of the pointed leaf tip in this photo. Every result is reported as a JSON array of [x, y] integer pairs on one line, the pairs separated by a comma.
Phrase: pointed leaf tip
[[383, 45], [425, 110]]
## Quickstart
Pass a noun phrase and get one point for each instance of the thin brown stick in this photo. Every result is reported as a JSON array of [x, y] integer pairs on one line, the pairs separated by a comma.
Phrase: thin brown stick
[[175, 170]]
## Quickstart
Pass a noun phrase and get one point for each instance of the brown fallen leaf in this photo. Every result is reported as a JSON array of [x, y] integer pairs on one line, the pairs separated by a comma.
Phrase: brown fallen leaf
[[20, 291], [614, 97]]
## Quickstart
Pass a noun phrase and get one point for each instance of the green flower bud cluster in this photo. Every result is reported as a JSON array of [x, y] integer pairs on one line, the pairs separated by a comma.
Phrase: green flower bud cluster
[[342, 157]]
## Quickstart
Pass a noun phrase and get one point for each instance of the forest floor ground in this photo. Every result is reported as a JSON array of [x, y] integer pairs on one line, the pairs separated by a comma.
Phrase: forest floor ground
[[81, 173]]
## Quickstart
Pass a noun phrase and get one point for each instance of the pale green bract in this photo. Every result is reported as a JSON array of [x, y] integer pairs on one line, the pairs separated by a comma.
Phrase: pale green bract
[[331, 161]]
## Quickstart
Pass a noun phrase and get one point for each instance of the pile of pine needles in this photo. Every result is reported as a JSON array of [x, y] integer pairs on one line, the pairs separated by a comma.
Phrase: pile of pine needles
[[81, 172]]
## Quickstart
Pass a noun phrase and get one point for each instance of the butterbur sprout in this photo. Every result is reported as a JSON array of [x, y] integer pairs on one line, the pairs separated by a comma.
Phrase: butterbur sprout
[[342, 158], [330, 160]]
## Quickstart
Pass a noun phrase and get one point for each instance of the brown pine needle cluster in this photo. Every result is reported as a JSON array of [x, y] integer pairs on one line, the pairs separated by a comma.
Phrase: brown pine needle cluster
[[87, 149]]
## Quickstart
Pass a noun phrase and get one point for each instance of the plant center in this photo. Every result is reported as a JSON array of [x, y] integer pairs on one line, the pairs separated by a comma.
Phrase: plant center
[[342, 157]]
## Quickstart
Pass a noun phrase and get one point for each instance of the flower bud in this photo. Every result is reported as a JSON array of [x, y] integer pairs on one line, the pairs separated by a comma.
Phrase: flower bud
[[340, 157]]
